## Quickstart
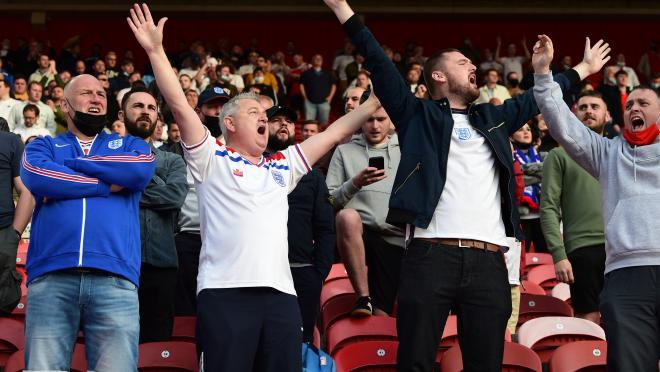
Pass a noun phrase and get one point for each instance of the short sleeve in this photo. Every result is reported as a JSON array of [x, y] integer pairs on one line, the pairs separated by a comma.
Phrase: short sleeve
[[298, 165], [199, 157]]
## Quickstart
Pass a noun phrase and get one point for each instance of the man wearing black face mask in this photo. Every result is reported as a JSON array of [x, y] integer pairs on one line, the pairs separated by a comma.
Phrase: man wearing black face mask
[[84, 259], [311, 224], [188, 240], [159, 205]]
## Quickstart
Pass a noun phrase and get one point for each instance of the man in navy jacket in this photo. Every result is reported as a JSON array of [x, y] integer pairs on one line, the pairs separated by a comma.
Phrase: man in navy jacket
[[457, 202], [84, 257]]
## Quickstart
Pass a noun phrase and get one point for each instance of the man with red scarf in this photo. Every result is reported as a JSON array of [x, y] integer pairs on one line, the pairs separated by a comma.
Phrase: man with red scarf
[[628, 169]]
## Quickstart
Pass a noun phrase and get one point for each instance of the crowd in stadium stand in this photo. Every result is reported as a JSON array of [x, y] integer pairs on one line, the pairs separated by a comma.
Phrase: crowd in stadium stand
[[180, 189]]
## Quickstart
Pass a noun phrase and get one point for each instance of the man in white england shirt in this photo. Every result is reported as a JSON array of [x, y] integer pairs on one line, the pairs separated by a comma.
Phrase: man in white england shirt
[[248, 316]]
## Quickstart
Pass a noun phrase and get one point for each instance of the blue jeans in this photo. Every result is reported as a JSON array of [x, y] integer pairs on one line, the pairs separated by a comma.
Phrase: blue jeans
[[320, 109], [104, 307]]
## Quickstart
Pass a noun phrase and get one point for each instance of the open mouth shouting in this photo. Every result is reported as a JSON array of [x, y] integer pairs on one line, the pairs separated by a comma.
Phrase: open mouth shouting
[[637, 123], [472, 78], [94, 110], [261, 129]]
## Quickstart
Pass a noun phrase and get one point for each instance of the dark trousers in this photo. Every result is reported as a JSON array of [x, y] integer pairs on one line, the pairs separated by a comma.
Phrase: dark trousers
[[156, 296], [534, 235], [308, 283], [248, 329], [630, 306], [473, 284], [188, 246]]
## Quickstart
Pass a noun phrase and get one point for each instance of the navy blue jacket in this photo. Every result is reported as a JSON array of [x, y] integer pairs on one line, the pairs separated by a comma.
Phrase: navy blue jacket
[[424, 128]]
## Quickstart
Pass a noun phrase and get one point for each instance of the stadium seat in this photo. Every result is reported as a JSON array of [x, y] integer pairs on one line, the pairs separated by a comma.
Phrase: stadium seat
[[317, 338], [543, 275], [535, 306], [21, 270], [19, 310], [562, 291], [367, 356], [450, 337], [350, 330], [533, 259], [21, 258], [172, 356], [529, 287], [338, 271], [546, 334], [336, 308], [580, 356], [12, 338], [338, 287], [183, 328], [16, 362], [516, 358]]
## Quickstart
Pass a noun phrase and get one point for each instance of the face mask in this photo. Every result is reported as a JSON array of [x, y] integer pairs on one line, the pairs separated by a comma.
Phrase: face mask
[[259, 80], [620, 64], [514, 82], [213, 124], [88, 124], [642, 138], [224, 77]]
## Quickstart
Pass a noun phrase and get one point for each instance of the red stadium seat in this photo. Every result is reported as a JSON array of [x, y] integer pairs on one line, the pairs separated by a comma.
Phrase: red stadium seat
[[529, 287], [173, 356], [535, 306], [533, 259], [543, 275], [12, 338], [338, 287], [19, 310], [336, 308], [367, 356], [16, 362], [562, 291], [338, 271], [317, 338], [516, 358], [450, 337], [350, 330], [546, 334], [21, 270], [183, 328], [580, 356]]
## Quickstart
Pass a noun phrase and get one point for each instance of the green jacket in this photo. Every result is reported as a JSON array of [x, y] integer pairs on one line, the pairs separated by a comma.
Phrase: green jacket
[[571, 195]]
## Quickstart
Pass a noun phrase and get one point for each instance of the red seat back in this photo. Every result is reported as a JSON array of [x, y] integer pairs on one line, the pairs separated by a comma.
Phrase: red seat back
[[351, 330], [535, 306], [183, 328], [579, 356], [172, 356], [367, 355], [516, 358]]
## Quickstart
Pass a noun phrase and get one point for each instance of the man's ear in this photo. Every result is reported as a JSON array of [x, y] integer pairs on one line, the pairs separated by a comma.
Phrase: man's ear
[[120, 116], [608, 117], [229, 124], [439, 76]]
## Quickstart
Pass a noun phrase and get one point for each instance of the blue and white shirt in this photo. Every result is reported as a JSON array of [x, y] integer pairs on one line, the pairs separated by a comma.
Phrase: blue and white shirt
[[243, 211]]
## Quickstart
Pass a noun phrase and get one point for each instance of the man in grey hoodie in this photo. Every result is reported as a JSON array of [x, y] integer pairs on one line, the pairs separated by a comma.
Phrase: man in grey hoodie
[[363, 193], [628, 169]]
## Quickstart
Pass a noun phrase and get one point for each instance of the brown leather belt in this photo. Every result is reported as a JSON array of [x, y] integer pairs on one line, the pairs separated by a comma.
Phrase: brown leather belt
[[463, 243]]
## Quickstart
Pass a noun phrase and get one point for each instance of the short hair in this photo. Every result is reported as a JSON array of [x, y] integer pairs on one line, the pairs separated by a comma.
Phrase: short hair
[[135, 89], [231, 107], [4, 126], [31, 107], [5, 83], [126, 61], [621, 72], [590, 93], [310, 122], [19, 77], [492, 69], [34, 82], [646, 87], [432, 63]]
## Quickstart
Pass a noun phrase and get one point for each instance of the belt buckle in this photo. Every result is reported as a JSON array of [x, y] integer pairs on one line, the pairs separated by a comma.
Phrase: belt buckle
[[460, 244]]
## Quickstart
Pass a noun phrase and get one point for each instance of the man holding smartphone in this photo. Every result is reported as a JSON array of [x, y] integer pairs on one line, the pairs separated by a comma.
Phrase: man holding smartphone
[[360, 179]]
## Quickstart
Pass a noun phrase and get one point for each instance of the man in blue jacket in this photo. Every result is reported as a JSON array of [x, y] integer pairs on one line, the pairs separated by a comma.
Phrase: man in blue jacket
[[454, 192], [84, 255]]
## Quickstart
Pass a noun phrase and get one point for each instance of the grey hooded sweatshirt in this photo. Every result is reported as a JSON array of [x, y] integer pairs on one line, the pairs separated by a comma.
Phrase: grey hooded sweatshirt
[[629, 177], [372, 201]]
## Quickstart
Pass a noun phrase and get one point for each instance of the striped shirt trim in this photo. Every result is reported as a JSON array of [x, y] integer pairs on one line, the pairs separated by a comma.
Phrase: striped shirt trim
[[58, 175]]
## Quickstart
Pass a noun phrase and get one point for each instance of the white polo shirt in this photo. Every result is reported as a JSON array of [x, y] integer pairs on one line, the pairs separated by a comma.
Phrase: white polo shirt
[[243, 210], [470, 204]]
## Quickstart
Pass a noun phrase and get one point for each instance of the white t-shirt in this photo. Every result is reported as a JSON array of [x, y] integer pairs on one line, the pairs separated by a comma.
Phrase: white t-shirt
[[5, 107], [26, 132], [513, 64], [340, 63], [243, 210], [469, 207]]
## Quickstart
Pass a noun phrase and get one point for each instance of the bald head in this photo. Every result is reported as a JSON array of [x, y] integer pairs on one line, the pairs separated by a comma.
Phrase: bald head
[[84, 93], [84, 80]]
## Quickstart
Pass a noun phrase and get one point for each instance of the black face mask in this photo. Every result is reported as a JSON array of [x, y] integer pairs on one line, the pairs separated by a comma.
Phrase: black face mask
[[513, 83], [213, 124], [88, 124]]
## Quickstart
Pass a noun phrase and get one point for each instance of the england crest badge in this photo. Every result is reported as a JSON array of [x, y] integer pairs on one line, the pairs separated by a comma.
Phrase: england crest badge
[[463, 133], [115, 144]]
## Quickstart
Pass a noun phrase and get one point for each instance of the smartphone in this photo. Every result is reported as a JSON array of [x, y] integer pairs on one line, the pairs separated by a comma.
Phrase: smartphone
[[377, 162]]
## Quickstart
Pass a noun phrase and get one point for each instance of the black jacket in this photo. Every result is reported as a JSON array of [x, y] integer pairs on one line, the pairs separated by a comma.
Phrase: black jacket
[[424, 128], [311, 224]]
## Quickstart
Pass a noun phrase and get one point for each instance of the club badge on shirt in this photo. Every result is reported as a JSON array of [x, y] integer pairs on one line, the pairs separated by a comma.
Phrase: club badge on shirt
[[279, 179], [237, 172], [115, 144], [463, 134]]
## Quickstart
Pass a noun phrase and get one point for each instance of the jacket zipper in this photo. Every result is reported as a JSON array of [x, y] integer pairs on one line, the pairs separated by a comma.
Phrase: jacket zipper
[[502, 162], [82, 231], [417, 167]]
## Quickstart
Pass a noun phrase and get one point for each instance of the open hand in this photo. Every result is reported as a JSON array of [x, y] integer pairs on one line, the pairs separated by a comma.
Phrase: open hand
[[147, 33], [597, 56], [543, 53], [334, 3]]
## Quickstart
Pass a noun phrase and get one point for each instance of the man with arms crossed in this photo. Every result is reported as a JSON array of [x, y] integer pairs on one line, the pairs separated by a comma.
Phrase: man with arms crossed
[[457, 201], [247, 313], [628, 169], [571, 195]]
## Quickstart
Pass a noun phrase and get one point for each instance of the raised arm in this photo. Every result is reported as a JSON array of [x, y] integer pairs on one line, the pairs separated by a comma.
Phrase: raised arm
[[150, 37], [581, 143], [317, 146]]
